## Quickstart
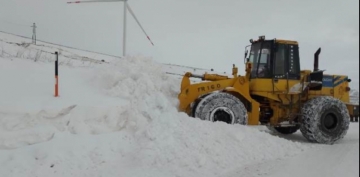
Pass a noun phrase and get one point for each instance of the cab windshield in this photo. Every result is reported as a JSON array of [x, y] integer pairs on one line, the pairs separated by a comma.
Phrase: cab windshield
[[260, 57]]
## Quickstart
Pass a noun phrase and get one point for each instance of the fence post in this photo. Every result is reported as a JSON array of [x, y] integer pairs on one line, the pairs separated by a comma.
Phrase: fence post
[[57, 75]]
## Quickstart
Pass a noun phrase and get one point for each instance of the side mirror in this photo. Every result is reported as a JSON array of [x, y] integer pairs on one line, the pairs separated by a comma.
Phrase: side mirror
[[246, 54]]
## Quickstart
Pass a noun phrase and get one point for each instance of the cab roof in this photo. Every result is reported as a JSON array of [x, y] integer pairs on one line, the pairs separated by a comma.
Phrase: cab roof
[[280, 41]]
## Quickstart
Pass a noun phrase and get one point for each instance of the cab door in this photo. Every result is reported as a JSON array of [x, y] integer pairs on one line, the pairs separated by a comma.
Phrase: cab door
[[286, 68]]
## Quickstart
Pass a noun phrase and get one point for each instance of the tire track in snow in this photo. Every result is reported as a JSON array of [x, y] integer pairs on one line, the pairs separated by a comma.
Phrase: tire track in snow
[[14, 134], [340, 159]]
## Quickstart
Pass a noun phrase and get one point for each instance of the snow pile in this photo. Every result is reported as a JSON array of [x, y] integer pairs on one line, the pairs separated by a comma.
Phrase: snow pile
[[115, 119]]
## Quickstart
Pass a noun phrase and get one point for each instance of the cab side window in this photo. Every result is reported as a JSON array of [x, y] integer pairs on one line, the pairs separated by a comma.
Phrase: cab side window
[[287, 62], [280, 61], [294, 62]]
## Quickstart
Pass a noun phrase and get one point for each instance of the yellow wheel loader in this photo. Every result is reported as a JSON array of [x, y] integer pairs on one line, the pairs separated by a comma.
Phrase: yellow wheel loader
[[274, 92]]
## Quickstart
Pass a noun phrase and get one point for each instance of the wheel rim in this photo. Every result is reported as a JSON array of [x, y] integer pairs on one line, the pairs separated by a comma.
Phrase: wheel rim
[[222, 114], [330, 121]]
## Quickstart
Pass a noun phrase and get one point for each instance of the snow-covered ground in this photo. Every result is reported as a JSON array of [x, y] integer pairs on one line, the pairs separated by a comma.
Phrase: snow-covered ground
[[69, 55], [118, 117]]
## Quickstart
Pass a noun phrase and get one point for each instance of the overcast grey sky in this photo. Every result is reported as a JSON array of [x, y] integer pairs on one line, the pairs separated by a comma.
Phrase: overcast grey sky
[[199, 33]]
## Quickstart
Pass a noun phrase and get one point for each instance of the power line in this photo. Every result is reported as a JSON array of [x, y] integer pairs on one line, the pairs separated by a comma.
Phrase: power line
[[12, 23], [126, 7], [61, 45]]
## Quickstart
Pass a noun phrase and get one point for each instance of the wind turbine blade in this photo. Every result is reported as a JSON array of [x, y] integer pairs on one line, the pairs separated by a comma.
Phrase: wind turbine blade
[[132, 13], [76, 2]]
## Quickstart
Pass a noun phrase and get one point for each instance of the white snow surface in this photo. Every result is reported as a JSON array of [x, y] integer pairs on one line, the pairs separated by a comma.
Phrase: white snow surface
[[119, 118]]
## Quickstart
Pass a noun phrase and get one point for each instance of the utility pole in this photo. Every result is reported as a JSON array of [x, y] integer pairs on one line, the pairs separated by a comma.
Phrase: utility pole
[[126, 7], [34, 34], [124, 29]]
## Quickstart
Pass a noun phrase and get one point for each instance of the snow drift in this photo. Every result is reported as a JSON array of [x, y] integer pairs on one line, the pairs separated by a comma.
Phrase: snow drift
[[113, 118]]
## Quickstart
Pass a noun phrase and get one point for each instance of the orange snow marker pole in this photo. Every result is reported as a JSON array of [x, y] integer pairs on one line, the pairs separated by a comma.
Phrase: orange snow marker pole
[[56, 75]]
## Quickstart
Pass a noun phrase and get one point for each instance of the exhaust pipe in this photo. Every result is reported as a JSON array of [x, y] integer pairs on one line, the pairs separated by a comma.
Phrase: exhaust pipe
[[316, 60]]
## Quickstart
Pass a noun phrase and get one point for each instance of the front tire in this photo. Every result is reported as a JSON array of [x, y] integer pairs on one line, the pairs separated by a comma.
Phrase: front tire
[[221, 106], [325, 120]]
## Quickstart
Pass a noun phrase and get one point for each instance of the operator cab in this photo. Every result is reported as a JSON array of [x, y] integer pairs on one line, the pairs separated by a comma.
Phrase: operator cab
[[274, 59]]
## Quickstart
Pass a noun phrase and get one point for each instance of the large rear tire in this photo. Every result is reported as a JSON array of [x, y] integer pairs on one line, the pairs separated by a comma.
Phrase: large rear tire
[[221, 106], [325, 120]]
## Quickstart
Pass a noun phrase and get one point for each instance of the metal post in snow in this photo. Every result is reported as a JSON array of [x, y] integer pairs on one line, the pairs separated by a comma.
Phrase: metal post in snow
[[57, 75], [34, 34]]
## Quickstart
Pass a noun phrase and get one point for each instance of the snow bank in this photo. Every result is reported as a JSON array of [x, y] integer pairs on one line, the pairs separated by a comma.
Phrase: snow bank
[[131, 127], [117, 118]]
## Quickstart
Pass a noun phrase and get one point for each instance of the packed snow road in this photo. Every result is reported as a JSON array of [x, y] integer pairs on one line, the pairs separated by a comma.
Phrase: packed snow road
[[338, 160]]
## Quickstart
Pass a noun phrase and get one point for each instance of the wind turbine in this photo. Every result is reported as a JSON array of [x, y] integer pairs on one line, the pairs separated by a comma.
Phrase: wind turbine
[[126, 7]]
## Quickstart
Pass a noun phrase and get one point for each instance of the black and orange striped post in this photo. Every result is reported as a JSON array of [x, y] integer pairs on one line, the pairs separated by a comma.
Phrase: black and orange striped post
[[57, 75]]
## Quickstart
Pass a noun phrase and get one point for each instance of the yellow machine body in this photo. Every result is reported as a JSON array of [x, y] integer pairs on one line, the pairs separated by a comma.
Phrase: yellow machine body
[[283, 96]]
